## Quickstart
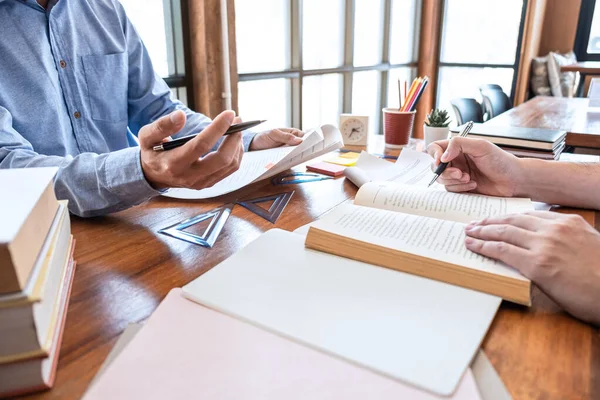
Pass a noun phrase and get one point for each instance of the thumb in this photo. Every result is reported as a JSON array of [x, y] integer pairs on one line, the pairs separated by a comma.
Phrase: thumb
[[162, 128], [466, 146]]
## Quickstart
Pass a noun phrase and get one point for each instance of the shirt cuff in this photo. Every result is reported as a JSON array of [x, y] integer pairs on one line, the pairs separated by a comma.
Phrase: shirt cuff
[[125, 178], [247, 138]]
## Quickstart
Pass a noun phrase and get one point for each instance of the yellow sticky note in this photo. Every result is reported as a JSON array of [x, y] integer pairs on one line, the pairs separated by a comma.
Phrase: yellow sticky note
[[340, 160], [350, 155]]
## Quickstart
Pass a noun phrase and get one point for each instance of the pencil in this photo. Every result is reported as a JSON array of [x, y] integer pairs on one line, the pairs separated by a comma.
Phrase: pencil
[[400, 98], [418, 94], [411, 93]]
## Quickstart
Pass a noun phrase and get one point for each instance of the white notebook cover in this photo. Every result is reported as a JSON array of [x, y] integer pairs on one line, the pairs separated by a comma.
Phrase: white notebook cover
[[413, 329]]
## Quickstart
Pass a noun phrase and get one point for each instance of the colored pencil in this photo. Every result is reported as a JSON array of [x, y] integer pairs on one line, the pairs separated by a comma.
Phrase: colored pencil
[[417, 95], [413, 88]]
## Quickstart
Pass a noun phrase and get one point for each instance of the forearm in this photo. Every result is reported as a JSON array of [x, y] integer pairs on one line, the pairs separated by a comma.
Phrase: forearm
[[563, 183], [94, 184]]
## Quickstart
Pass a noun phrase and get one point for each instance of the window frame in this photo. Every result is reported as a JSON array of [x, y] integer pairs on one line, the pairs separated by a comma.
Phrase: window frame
[[179, 53], [514, 66], [296, 73], [584, 30]]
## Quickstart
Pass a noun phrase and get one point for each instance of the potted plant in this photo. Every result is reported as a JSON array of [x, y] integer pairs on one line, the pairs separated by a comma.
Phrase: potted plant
[[436, 126]]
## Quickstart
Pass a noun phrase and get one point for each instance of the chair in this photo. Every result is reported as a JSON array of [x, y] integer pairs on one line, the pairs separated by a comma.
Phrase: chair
[[467, 110], [490, 86], [495, 102]]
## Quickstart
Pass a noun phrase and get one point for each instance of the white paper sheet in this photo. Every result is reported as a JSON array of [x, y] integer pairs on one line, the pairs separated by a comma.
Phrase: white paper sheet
[[259, 165], [409, 328]]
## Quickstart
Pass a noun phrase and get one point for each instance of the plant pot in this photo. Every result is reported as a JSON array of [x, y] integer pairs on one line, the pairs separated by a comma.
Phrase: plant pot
[[434, 134]]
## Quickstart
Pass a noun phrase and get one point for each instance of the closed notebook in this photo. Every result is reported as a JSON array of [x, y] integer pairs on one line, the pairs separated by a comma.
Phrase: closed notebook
[[535, 138], [187, 351], [27, 208], [409, 328]]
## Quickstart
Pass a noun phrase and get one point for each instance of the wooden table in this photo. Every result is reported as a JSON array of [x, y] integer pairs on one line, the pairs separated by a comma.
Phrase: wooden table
[[125, 268], [569, 114]]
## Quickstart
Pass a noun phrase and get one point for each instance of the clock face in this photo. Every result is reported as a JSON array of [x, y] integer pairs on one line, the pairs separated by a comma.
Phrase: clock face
[[353, 130]]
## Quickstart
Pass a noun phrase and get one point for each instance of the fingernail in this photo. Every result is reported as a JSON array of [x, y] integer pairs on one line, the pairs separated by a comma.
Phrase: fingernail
[[469, 241], [444, 156], [469, 227], [177, 117], [229, 115]]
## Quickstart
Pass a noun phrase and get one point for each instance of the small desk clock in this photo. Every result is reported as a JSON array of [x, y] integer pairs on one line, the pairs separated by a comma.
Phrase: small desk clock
[[354, 129]]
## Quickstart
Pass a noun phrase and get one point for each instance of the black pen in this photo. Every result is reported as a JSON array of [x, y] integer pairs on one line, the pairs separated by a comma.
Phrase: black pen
[[442, 167], [181, 141]]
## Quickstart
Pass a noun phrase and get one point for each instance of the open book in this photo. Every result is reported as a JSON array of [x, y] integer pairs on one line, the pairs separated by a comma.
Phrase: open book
[[421, 231], [263, 164]]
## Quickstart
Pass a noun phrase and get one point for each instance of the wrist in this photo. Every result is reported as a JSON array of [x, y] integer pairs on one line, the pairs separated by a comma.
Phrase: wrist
[[525, 177]]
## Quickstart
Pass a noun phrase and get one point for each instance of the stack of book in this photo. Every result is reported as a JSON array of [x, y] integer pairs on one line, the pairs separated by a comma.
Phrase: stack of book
[[545, 144], [36, 273]]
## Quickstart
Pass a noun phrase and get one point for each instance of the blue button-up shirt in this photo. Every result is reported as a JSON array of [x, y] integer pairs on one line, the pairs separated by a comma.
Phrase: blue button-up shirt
[[75, 83]]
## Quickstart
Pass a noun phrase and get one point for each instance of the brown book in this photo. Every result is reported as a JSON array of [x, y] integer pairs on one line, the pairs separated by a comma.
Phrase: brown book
[[28, 206], [421, 231], [27, 317], [35, 374]]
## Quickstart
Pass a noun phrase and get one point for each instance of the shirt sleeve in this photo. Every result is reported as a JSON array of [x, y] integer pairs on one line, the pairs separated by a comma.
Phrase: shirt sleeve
[[94, 184], [149, 97]]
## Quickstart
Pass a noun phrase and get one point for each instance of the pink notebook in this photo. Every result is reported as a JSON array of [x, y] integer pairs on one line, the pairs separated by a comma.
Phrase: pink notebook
[[187, 351]]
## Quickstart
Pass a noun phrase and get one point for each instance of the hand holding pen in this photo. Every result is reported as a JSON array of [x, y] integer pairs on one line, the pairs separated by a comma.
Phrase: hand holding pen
[[442, 167]]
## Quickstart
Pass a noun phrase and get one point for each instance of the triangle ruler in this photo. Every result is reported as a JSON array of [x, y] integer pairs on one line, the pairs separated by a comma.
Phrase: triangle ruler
[[280, 201], [217, 216]]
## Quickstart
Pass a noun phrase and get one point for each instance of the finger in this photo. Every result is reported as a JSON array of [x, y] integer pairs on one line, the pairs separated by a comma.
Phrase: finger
[[470, 146], [514, 256], [462, 187], [455, 173], [547, 215], [436, 149], [154, 133], [279, 136], [226, 155], [524, 221], [293, 131], [237, 120], [448, 182], [502, 233], [205, 140]]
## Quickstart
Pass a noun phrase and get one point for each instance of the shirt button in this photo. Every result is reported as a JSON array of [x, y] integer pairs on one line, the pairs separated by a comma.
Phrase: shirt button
[[63, 64], [77, 115]]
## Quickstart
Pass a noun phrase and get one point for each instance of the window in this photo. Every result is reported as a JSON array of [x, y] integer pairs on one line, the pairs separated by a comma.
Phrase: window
[[161, 26], [587, 42], [302, 63], [480, 44]]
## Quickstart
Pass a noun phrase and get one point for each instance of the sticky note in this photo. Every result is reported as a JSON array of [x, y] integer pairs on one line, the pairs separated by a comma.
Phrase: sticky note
[[326, 168]]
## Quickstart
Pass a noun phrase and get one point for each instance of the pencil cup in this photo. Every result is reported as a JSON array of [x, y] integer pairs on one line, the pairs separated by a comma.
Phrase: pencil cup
[[397, 127]]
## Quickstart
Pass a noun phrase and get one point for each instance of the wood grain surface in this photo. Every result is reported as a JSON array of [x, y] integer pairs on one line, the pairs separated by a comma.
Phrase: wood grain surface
[[125, 268], [569, 114]]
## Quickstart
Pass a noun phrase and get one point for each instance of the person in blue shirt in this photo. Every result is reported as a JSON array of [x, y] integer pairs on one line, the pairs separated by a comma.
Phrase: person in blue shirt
[[77, 85]]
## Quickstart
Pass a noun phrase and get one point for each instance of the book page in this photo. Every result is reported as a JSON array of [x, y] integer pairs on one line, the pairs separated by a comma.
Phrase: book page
[[427, 237], [259, 165], [458, 207]]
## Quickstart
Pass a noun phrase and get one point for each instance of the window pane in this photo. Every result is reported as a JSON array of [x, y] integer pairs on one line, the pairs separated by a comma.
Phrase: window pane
[[464, 82], [407, 74], [148, 17], [323, 33], [262, 34], [321, 100], [266, 99], [481, 31], [180, 94], [594, 43], [365, 97], [368, 32], [404, 39]]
